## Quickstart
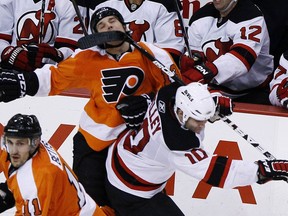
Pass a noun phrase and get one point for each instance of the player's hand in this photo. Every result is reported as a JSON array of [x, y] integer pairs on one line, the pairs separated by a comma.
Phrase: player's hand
[[7, 200], [133, 109], [12, 85], [186, 63], [272, 170], [44, 50], [282, 93], [203, 73], [224, 106], [17, 58]]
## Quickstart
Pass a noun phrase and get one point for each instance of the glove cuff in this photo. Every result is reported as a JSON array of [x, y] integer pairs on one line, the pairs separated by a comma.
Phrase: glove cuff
[[263, 172]]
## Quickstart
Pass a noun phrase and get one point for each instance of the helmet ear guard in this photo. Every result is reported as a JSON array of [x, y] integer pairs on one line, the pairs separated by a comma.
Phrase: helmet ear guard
[[195, 101]]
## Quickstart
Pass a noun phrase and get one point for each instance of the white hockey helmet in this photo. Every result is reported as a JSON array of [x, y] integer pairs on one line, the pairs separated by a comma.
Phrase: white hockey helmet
[[195, 101]]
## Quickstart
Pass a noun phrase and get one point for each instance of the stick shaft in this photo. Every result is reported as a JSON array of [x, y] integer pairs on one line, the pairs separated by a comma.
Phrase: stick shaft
[[42, 22], [249, 139], [185, 35]]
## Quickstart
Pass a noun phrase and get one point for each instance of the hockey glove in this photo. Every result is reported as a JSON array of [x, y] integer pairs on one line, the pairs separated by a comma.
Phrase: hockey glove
[[203, 73], [44, 50], [282, 93], [133, 109], [272, 170], [187, 63], [17, 58], [224, 106], [13, 85], [7, 200]]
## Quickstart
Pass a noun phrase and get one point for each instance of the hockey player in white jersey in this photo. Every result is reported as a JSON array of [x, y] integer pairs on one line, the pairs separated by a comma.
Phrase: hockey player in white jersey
[[29, 37], [140, 162], [233, 37], [152, 21], [279, 84]]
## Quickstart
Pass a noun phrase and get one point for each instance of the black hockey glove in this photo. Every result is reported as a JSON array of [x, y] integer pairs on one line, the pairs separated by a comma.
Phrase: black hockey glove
[[272, 170], [224, 106], [133, 109], [7, 200], [13, 85]]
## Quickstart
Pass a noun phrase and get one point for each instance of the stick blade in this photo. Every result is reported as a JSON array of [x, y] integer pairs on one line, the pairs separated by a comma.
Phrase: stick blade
[[100, 39]]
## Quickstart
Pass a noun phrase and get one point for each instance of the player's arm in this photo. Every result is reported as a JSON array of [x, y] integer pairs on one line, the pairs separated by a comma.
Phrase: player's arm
[[248, 40], [225, 172], [279, 85]]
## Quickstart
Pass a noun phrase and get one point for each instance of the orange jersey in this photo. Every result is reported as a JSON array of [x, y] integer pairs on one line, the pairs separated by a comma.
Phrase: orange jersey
[[45, 185], [108, 80]]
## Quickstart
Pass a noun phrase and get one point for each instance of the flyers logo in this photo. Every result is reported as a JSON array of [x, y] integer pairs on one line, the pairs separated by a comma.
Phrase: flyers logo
[[214, 49], [138, 29], [118, 81]]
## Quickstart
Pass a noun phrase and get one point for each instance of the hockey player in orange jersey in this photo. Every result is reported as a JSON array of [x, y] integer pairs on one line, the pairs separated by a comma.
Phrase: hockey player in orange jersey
[[40, 180], [110, 72]]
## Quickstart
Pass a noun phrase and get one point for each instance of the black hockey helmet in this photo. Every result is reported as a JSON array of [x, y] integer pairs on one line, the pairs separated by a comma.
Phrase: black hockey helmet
[[102, 13], [23, 126]]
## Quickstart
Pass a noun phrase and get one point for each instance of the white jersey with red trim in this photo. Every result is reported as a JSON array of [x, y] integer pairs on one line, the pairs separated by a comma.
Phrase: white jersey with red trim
[[20, 24], [238, 45], [152, 22], [279, 74], [46, 185], [141, 162]]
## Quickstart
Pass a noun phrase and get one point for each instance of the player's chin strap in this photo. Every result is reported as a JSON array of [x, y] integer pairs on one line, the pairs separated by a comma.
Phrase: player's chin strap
[[229, 6]]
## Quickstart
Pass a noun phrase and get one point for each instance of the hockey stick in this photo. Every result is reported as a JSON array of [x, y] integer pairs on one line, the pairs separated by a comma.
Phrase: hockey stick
[[185, 35], [248, 138], [42, 22], [76, 8], [94, 40], [100, 39]]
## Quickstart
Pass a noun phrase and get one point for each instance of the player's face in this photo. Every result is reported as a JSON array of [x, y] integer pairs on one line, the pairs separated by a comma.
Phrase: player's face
[[19, 149], [195, 125], [109, 23], [221, 4]]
